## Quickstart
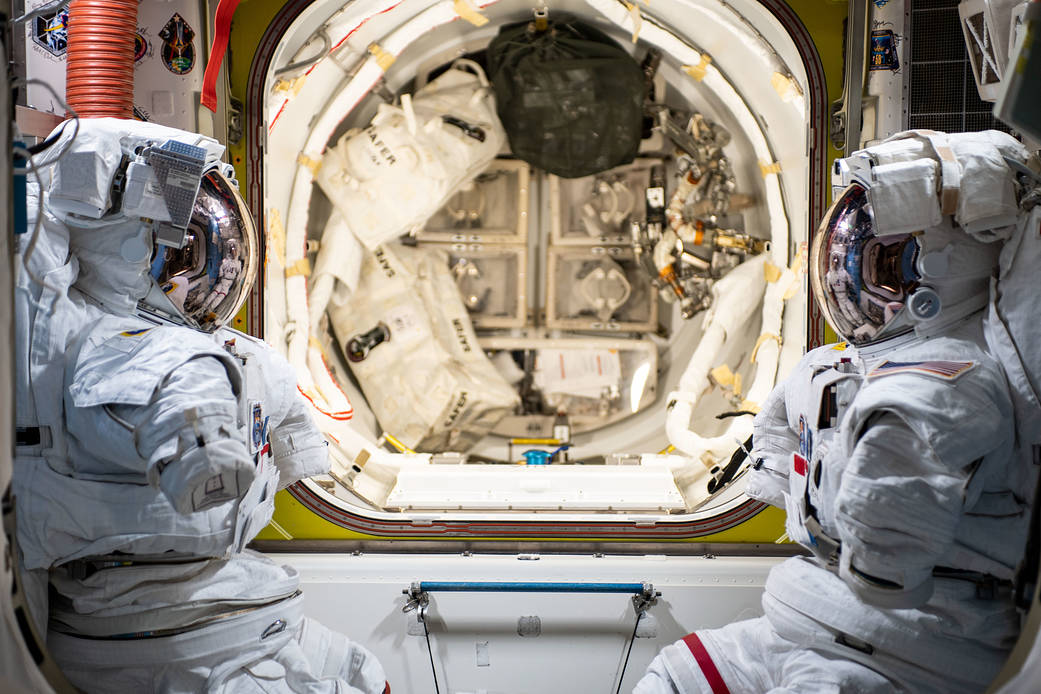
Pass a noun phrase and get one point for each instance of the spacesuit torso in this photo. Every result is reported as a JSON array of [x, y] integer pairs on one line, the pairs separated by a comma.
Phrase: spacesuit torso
[[177, 441], [898, 471], [127, 396]]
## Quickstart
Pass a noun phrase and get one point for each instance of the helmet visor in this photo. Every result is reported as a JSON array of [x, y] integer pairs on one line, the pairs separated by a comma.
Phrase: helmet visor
[[209, 279], [860, 279]]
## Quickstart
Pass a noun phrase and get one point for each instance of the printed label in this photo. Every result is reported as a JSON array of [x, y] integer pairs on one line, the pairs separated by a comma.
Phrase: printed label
[[582, 372]]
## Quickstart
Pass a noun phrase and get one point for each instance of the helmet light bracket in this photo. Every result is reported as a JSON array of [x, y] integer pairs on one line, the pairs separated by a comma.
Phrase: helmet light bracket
[[162, 184]]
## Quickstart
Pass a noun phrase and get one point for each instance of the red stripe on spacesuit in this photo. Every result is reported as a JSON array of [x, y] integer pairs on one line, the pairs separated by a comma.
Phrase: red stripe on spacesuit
[[708, 668]]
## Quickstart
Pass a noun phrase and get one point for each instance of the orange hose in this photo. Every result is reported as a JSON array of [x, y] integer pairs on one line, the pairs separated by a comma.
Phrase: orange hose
[[99, 72]]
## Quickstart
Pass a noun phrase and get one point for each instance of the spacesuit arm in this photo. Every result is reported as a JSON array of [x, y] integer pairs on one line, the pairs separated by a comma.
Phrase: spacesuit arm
[[773, 442], [297, 446], [897, 509], [188, 435]]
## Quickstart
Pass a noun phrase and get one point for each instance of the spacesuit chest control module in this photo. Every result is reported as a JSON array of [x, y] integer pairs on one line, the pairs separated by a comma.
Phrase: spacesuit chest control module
[[901, 455], [155, 438]]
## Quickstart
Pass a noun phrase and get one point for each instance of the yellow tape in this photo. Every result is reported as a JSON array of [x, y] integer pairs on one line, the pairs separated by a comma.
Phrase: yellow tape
[[362, 457], [771, 272], [699, 71], [749, 406], [737, 385], [767, 169], [276, 237], [799, 259], [792, 289], [840, 347], [763, 338], [383, 59], [312, 164], [300, 267], [668, 449], [785, 86], [708, 460], [313, 342], [535, 442], [722, 375], [634, 14], [466, 10], [796, 269], [292, 86]]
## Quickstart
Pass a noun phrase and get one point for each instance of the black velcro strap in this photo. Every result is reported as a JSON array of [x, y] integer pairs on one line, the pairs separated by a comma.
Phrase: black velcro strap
[[27, 436]]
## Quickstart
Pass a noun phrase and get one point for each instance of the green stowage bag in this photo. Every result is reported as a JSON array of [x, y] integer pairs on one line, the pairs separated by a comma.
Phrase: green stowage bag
[[569, 97]]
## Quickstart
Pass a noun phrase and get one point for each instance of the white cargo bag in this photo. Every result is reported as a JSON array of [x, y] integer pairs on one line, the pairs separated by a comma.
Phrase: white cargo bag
[[394, 174], [428, 381]]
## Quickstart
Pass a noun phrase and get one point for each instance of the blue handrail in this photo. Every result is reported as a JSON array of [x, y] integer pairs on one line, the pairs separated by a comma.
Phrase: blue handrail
[[528, 587]]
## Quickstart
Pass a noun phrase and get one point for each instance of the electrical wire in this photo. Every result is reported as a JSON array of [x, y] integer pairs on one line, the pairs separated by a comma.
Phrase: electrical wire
[[31, 247], [34, 167], [46, 8], [430, 651], [632, 640], [307, 62]]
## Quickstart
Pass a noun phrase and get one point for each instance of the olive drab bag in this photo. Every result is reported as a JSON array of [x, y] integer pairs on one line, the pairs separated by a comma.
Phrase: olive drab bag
[[569, 97]]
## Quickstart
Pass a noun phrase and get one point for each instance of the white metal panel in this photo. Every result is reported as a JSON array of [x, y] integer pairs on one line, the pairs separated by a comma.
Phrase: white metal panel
[[552, 487], [474, 636]]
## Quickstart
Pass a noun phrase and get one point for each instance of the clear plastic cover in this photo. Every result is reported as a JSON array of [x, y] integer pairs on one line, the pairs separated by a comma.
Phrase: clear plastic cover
[[493, 209], [594, 381], [598, 209], [492, 283], [599, 288]]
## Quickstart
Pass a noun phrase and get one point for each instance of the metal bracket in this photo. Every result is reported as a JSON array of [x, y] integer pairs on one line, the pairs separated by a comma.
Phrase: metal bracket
[[679, 135], [646, 598], [236, 121], [417, 598]]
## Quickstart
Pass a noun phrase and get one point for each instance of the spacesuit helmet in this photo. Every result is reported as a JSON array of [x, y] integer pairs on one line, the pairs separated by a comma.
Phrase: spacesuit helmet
[[209, 277], [909, 242], [862, 279], [155, 221]]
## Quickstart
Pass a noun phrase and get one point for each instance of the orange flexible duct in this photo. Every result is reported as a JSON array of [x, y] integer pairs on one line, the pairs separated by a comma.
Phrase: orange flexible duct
[[99, 77]]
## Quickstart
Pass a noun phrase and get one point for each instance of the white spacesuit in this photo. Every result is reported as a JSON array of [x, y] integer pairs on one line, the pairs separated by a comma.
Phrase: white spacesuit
[[151, 440], [895, 454]]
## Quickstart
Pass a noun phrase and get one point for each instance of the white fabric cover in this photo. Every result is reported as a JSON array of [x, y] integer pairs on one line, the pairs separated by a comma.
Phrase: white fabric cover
[[430, 384], [151, 597], [903, 196], [399, 170], [752, 658], [230, 656], [985, 185], [82, 179], [1013, 332], [1012, 328]]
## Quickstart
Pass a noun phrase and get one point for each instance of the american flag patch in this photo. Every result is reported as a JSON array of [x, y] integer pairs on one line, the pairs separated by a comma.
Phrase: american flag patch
[[949, 370]]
